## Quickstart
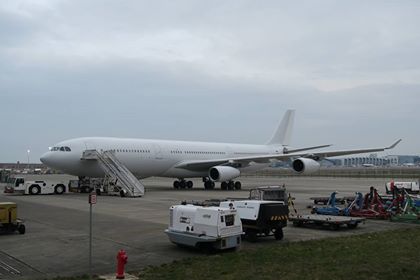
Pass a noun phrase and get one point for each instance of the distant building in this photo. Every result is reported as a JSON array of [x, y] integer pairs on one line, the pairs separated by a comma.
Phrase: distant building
[[373, 159]]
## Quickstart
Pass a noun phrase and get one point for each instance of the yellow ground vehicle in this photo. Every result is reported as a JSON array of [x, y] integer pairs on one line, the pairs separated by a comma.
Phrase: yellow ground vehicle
[[8, 218]]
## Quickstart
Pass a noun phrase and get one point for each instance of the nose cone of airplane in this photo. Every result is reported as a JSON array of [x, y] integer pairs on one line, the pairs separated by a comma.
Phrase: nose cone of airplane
[[46, 158]]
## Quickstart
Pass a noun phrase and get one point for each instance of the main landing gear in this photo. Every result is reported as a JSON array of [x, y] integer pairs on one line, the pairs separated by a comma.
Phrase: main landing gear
[[208, 184], [228, 185], [231, 185], [182, 184]]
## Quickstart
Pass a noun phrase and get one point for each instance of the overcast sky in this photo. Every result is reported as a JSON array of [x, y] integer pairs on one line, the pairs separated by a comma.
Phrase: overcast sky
[[222, 71]]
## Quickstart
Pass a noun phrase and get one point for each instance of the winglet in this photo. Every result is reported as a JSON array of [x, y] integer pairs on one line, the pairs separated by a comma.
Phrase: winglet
[[393, 145]]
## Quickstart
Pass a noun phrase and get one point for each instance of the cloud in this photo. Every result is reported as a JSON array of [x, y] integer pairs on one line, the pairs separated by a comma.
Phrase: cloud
[[217, 71]]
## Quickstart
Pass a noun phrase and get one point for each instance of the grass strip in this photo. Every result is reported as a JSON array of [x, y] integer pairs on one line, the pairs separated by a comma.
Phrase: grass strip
[[385, 255]]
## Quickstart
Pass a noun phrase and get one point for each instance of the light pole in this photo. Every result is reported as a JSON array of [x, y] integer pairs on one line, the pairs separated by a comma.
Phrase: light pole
[[28, 157]]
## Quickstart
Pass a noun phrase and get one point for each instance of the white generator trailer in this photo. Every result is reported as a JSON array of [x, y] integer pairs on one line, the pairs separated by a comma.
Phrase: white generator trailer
[[205, 228], [20, 185]]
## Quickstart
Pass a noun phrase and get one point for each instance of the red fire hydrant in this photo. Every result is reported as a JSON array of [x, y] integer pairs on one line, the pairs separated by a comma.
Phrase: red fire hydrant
[[122, 260]]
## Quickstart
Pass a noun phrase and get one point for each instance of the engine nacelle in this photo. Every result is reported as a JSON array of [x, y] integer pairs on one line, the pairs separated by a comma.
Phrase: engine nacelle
[[223, 173], [305, 165]]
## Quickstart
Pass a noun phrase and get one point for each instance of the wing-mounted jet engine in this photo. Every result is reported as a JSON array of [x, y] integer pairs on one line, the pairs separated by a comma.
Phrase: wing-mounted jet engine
[[305, 165]]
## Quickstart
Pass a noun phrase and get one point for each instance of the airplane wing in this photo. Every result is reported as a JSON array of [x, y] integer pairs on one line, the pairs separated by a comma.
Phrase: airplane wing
[[199, 165]]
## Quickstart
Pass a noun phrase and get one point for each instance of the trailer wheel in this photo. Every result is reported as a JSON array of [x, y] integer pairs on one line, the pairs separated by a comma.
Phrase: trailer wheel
[[59, 189], [34, 189], [297, 223], [278, 234], [251, 235], [334, 226], [351, 226], [21, 229]]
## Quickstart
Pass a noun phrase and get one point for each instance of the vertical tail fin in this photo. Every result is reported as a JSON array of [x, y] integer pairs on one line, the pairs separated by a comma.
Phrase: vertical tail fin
[[284, 131]]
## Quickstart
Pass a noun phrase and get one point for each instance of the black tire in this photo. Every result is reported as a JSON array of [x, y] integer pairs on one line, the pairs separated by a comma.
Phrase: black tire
[[122, 193], [278, 234], [189, 184], [334, 226], [59, 189], [21, 229], [176, 184], [182, 184], [207, 185], [297, 223], [212, 185], [352, 226], [98, 192], [224, 186], [251, 235], [34, 190], [231, 185], [238, 185]]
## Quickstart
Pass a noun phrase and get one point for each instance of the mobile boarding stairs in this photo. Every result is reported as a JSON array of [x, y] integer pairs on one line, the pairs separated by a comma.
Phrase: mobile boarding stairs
[[113, 168]]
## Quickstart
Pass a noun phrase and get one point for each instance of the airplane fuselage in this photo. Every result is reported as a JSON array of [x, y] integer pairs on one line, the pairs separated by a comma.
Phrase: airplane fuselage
[[147, 157]]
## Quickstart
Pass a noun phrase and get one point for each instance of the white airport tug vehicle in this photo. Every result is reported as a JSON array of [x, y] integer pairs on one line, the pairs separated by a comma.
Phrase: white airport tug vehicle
[[19, 185], [205, 228]]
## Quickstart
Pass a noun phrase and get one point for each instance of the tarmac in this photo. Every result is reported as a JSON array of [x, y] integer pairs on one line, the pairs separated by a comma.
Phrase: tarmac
[[57, 226]]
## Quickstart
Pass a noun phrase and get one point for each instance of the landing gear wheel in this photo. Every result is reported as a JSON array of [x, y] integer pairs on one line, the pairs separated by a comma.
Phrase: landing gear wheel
[[176, 184], [224, 186], [231, 185], [207, 185], [238, 185], [189, 184], [278, 234], [182, 184], [34, 190]]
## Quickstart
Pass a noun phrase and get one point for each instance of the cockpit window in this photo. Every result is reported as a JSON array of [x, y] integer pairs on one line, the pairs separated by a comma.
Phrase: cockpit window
[[61, 149]]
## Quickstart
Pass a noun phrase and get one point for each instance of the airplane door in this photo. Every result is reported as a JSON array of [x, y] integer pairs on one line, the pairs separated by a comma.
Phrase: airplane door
[[157, 150]]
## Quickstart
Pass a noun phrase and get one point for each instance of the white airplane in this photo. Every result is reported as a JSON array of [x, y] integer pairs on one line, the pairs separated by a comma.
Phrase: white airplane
[[214, 162]]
